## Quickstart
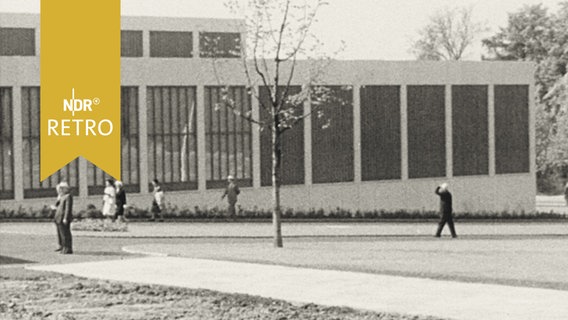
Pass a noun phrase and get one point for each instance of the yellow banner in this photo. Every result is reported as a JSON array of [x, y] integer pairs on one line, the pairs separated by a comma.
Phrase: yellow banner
[[80, 84]]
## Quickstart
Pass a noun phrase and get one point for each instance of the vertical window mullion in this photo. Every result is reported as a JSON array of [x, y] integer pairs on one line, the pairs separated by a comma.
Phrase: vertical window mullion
[[171, 134], [219, 137]]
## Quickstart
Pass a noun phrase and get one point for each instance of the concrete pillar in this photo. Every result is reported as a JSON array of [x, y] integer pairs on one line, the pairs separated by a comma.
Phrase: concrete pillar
[[145, 43], [307, 144], [195, 43], [143, 138], [491, 128], [256, 172], [356, 133], [17, 143], [449, 136], [83, 178], [201, 141], [403, 133]]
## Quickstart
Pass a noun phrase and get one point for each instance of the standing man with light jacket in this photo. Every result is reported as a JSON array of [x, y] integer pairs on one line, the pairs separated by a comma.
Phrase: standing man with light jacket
[[63, 217]]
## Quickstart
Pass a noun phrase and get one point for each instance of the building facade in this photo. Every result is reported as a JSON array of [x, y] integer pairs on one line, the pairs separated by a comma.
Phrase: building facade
[[404, 127]]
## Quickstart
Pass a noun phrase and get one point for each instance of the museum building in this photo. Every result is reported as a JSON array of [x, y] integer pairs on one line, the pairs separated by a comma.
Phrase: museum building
[[402, 127]]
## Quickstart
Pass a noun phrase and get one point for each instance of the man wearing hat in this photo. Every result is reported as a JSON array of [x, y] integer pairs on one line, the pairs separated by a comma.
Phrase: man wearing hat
[[231, 192], [445, 210]]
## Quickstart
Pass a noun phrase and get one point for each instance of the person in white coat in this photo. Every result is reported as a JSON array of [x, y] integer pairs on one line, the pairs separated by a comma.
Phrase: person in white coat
[[109, 199]]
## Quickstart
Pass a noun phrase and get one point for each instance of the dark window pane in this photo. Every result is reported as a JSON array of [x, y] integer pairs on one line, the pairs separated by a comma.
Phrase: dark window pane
[[172, 140], [228, 138], [33, 188], [292, 145], [219, 45], [17, 42], [171, 44], [469, 130], [6, 146], [131, 43], [332, 135], [130, 172], [426, 132], [511, 129], [380, 132]]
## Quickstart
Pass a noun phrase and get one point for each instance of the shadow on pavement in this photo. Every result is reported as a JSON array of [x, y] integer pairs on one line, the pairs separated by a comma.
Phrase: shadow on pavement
[[9, 260]]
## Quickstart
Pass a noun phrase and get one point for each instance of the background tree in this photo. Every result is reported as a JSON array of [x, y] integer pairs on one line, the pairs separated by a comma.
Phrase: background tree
[[278, 34], [534, 34], [447, 36]]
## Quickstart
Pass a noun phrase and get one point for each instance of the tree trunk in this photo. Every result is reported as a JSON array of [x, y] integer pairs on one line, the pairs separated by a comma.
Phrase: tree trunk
[[276, 161]]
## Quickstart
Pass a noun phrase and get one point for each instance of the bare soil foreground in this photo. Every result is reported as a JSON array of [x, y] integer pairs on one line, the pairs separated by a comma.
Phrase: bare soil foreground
[[26, 294]]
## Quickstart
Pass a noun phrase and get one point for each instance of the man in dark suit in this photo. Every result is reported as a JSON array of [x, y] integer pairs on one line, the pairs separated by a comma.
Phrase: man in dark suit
[[63, 217], [445, 210]]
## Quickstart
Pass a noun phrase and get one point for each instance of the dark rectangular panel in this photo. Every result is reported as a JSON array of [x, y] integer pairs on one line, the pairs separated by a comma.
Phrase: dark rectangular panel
[[292, 144], [130, 172], [332, 136], [131, 43], [219, 45], [380, 132], [172, 136], [469, 130], [33, 187], [171, 44], [512, 129], [228, 136], [6, 145], [17, 42], [426, 131]]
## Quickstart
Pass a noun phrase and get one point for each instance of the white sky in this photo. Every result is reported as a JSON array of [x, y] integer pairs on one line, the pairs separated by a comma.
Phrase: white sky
[[371, 29]]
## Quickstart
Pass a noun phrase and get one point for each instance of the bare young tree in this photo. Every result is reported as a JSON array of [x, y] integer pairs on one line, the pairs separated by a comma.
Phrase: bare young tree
[[278, 35], [447, 35]]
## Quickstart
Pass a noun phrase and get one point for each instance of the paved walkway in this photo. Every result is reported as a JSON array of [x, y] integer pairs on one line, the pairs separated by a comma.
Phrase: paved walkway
[[291, 229], [418, 296]]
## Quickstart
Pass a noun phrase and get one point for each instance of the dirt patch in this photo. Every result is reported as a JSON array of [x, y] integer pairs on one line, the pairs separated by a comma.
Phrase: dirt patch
[[28, 294]]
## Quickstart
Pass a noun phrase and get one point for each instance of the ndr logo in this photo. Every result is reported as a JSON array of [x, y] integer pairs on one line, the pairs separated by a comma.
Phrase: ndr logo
[[78, 105]]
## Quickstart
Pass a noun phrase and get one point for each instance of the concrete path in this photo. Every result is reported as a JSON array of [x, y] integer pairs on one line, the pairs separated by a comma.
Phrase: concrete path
[[418, 296], [294, 229]]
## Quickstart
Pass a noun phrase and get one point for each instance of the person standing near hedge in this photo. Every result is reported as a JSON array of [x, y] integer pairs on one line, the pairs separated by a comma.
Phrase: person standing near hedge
[[120, 201], [231, 192], [157, 201], [445, 210], [109, 199], [63, 217]]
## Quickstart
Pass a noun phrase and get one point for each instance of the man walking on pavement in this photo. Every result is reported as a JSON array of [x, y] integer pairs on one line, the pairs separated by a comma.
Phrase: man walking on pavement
[[445, 210], [231, 192]]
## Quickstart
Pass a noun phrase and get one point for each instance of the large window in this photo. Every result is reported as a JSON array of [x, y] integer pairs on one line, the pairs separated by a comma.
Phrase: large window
[[511, 129], [17, 42], [31, 141], [129, 160], [426, 131], [332, 135], [380, 132], [292, 165], [469, 130], [228, 136], [219, 45], [130, 43], [6, 146], [171, 44], [172, 142]]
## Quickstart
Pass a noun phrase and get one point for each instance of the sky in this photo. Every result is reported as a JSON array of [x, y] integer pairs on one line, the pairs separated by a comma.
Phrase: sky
[[370, 29]]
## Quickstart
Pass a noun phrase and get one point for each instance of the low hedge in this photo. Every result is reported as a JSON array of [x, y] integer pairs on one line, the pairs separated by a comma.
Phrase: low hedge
[[215, 213]]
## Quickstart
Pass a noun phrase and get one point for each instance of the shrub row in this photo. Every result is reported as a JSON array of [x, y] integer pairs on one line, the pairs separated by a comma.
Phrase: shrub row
[[197, 213]]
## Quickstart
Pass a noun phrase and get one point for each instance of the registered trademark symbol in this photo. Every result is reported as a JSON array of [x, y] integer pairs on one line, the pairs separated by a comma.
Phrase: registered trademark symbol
[[96, 101]]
